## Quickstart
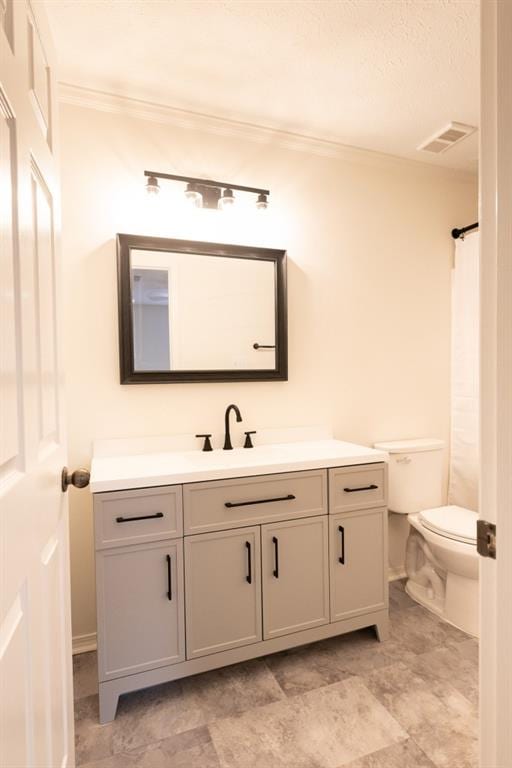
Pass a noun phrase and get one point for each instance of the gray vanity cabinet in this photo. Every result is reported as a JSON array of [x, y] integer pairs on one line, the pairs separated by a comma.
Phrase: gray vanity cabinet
[[197, 576], [140, 608], [358, 550], [223, 590], [295, 576]]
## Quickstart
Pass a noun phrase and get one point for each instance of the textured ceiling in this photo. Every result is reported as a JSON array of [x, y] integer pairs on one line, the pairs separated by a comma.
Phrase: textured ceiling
[[379, 74]]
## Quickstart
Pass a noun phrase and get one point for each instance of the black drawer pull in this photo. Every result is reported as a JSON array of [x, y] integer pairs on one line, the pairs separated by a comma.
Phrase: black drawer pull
[[249, 563], [169, 577], [276, 556], [141, 517], [230, 504], [371, 487], [341, 558]]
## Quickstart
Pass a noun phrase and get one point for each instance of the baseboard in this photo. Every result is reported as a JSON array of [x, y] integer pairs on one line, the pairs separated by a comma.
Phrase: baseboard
[[394, 574], [84, 643]]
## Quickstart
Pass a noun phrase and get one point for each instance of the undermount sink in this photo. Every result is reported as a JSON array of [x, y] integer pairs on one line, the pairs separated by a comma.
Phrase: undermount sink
[[147, 462]]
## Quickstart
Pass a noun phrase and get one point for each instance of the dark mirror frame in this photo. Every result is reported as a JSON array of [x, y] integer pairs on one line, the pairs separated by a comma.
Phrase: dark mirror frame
[[125, 243]]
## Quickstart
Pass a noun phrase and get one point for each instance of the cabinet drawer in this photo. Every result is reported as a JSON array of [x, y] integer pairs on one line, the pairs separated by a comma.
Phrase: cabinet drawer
[[234, 503], [133, 517], [360, 487]]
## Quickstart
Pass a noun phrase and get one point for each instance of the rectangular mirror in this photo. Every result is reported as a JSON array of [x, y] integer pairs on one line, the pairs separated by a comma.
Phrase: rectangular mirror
[[194, 311]]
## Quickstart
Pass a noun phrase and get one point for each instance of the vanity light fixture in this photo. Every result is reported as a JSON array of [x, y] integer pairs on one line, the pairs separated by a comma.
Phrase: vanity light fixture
[[206, 193]]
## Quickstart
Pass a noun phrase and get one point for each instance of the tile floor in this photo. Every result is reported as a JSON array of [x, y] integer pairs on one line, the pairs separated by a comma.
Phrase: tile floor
[[410, 702]]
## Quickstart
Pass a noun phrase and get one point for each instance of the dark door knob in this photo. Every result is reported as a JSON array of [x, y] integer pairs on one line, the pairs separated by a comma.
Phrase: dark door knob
[[79, 478]]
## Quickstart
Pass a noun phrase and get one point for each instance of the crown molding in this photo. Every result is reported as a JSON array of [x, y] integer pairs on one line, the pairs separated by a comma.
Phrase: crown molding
[[165, 115]]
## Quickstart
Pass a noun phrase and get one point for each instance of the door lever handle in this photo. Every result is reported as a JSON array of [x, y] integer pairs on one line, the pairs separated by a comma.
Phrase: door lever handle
[[79, 478]]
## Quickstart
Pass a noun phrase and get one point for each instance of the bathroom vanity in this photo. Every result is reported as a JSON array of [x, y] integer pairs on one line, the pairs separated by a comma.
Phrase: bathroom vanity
[[208, 559]]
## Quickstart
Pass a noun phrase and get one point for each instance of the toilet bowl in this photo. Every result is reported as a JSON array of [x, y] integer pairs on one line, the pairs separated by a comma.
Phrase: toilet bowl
[[441, 561], [442, 564]]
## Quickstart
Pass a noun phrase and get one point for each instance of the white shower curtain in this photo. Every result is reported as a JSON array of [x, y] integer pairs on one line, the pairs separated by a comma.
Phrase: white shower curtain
[[463, 486]]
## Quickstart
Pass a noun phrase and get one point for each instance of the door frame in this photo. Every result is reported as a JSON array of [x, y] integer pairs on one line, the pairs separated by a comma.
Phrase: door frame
[[496, 380]]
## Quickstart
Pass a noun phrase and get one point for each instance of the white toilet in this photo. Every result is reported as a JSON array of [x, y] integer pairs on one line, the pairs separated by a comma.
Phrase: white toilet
[[441, 558]]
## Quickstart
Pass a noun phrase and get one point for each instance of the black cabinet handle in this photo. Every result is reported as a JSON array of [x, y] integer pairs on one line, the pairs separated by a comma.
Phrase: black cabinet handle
[[276, 556], [169, 578], [141, 517], [341, 558], [371, 487], [249, 563], [230, 504]]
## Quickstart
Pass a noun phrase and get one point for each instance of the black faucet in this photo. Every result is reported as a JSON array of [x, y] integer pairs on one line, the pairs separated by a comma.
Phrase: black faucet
[[227, 436]]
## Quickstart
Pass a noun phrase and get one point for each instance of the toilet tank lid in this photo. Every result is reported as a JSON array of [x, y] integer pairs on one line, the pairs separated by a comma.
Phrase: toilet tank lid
[[411, 446]]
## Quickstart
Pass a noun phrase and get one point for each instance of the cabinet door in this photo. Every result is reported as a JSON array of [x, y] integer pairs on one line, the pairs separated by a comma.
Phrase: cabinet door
[[295, 576], [223, 587], [140, 608], [357, 553]]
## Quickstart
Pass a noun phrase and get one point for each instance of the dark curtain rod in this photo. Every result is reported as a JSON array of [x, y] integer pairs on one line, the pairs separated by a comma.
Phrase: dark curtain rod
[[456, 233]]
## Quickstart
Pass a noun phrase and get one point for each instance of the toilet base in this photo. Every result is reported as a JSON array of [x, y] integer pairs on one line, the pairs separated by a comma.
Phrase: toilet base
[[424, 596], [459, 609]]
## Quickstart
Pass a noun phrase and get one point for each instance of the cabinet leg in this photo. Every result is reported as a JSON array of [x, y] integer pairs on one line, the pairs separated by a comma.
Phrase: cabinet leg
[[382, 630], [108, 703]]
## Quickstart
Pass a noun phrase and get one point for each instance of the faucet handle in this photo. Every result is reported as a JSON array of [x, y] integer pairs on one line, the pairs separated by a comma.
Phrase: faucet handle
[[248, 441], [207, 442]]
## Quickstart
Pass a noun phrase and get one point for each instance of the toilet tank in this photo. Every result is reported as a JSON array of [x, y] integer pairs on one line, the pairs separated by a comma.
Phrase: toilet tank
[[415, 474]]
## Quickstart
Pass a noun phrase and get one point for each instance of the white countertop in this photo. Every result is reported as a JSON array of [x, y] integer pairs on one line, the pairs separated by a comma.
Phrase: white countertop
[[170, 467]]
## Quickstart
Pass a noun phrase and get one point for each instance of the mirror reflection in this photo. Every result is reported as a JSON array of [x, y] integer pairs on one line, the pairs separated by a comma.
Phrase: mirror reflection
[[196, 312]]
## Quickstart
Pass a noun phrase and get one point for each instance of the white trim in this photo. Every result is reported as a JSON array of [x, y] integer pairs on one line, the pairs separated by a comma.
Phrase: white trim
[[395, 574], [167, 115], [84, 643]]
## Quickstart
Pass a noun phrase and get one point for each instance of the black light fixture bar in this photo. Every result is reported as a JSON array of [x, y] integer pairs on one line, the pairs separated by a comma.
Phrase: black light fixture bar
[[456, 233], [206, 182]]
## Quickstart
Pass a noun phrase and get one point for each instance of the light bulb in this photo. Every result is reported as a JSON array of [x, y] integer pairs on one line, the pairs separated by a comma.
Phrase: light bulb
[[227, 200], [194, 197], [262, 202], [152, 187]]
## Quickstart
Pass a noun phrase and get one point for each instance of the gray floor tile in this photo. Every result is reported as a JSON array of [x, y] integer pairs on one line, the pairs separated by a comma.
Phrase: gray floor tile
[[324, 728], [171, 753], [405, 754], [92, 740], [439, 718], [303, 669], [154, 714], [230, 690], [451, 665], [304, 708], [85, 675], [419, 631], [360, 652]]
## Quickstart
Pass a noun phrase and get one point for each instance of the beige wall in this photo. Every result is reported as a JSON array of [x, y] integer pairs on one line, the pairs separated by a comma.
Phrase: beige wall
[[369, 247]]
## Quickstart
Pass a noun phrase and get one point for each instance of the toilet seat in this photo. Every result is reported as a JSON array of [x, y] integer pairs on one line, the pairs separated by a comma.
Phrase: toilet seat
[[453, 522]]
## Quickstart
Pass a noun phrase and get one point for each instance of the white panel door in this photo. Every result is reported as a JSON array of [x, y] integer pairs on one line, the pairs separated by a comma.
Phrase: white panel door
[[223, 590], [294, 575], [36, 724], [496, 382]]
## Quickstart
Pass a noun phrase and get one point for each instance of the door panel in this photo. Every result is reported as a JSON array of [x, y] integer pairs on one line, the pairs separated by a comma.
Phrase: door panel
[[36, 702], [223, 588], [357, 555], [294, 576], [141, 627]]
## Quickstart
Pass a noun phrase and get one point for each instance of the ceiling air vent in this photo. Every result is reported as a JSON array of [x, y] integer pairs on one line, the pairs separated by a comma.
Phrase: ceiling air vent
[[450, 135]]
